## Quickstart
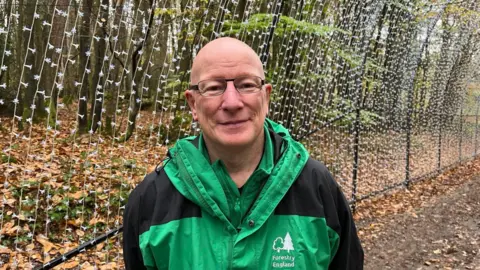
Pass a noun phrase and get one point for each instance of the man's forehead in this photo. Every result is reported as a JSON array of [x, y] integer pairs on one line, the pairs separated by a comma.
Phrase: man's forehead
[[225, 53]]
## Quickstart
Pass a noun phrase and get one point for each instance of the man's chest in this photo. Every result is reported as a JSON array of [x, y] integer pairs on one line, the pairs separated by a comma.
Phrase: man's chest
[[283, 242]]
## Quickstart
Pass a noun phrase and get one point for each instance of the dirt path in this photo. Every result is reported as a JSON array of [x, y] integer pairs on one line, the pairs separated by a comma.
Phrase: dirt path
[[442, 233]]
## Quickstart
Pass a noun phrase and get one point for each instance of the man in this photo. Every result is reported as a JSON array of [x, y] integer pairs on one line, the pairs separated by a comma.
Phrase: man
[[243, 194]]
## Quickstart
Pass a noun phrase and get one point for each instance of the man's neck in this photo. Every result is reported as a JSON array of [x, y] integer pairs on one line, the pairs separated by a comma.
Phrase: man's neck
[[240, 162]]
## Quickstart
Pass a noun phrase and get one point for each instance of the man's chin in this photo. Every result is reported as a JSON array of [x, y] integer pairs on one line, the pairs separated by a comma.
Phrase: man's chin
[[235, 140]]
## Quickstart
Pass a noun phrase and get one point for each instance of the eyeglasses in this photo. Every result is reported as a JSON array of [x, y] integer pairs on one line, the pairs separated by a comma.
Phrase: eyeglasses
[[216, 87]]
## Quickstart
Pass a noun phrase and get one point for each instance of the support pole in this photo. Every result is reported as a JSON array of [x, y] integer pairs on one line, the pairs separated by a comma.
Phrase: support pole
[[461, 136], [82, 248], [356, 146], [439, 152], [409, 132], [476, 126], [273, 26]]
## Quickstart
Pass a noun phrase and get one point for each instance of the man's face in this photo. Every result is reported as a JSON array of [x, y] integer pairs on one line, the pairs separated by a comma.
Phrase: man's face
[[231, 119]]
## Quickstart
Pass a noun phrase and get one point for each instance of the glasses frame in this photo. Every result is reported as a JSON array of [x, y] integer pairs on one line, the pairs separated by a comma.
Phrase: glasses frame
[[196, 88]]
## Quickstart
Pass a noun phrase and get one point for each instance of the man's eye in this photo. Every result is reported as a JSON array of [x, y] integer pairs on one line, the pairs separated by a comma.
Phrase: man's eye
[[247, 85], [213, 88]]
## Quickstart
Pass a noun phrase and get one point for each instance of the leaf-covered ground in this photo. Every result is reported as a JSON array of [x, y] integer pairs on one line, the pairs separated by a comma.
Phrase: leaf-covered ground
[[435, 225], [60, 189]]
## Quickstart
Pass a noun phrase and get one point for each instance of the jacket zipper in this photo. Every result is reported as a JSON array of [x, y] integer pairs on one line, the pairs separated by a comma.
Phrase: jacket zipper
[[230, 255], [232, 238], [205, 205], [192, 184]]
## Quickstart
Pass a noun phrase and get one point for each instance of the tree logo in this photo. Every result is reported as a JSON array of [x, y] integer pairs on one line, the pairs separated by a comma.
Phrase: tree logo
[[283, 244]]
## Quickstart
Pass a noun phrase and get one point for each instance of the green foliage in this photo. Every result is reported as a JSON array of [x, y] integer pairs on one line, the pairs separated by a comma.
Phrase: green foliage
[[177, 83], [171, 12], [341, 107], [177, 127], [285, 26], [5, 159], [352, 59], [472, 99], [53, 112]]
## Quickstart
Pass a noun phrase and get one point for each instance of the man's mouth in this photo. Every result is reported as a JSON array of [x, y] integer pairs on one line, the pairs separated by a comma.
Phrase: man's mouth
[[232, 123]]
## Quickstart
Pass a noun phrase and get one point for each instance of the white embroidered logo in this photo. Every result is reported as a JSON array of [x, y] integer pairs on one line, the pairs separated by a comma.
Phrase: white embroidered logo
[[283, 260], [283, 244]]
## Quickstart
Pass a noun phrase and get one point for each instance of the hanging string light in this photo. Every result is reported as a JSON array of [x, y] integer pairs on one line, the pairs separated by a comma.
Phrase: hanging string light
[[384, 94]]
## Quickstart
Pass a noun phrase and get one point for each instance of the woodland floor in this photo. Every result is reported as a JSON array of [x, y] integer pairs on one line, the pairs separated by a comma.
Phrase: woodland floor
[[436, 225], [433, 225]]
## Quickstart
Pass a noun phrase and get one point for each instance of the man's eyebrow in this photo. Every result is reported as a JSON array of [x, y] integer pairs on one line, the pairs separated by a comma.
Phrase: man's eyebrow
[[238, 75]]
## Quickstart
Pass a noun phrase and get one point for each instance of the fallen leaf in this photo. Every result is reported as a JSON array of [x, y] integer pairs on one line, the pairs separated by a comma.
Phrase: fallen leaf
[[47, 246], [87, 266], [56, 199], [77, 195], [36, 257], [76, 222], [70, 265], [4, 250], [79, 232], [100, 246], [9, 228], [30, 247], [108, 266], [11, 202], [96, 220]]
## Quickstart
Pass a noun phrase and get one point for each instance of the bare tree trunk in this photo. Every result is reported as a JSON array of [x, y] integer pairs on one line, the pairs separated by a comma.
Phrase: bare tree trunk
[[19, 52], [28, 41], [137, 86], [57, 41], [84, 64], [115, 49], [39, 44], [97, 92]]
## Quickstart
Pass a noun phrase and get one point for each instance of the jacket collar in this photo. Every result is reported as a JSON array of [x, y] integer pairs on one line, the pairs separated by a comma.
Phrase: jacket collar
[[276, 140], [194, 177]]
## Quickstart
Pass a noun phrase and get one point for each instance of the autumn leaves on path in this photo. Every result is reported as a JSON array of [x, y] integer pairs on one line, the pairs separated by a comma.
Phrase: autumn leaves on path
[[435, 225]]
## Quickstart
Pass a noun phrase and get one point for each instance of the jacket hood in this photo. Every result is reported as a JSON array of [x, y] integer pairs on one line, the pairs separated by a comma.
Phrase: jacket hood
[[194, 177]]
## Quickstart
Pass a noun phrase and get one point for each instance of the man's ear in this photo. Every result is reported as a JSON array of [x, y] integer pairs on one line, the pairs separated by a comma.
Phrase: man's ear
[[268, 90], [190, 96]]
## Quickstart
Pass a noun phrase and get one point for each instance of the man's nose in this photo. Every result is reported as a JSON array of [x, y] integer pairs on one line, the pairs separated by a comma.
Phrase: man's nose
[[232, 99]]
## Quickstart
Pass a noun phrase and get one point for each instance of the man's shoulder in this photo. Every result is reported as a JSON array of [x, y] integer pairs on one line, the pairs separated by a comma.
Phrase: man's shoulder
[[312, 194], [316, 173], [158, 200], [317, 176], [314, 164], [152, 184]]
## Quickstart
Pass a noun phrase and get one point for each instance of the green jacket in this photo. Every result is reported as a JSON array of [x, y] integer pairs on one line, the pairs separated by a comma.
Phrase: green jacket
[[291, 213]]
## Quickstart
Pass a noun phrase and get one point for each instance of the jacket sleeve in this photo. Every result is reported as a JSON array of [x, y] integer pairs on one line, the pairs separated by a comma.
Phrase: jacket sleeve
[[131, 227], [349, 254]]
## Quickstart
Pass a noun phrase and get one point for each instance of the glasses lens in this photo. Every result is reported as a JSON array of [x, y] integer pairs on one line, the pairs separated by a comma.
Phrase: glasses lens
[[212, 87], [248, 84]]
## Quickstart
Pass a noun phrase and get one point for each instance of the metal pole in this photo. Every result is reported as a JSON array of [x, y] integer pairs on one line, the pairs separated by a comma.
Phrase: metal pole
[[409, 132], [439, 157], [407, 150], [461, 136], [65, 257], [356, 143], [476, 125], [273, 26]]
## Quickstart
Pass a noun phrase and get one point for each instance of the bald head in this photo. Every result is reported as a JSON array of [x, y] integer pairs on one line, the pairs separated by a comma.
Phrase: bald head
[[222, 53]]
